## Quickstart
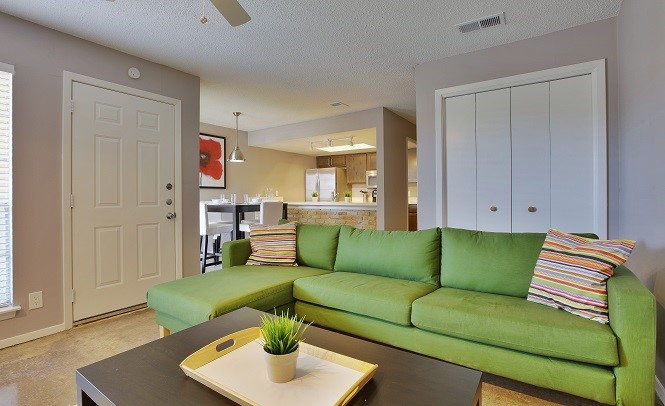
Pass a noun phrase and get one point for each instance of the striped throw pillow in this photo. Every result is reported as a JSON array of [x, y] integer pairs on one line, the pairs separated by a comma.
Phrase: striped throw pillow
[[273, 245], [572, 272]]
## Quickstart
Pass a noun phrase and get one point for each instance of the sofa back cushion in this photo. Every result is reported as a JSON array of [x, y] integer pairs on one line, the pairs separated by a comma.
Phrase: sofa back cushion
[[408, 255], [316, 245], [491, 262]]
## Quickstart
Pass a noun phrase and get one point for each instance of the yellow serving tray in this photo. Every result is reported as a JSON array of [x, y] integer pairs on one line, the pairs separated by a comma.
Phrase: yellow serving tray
[[193, 363]]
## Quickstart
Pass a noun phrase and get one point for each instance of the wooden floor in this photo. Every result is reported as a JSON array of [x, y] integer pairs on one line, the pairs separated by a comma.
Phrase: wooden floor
[[41, 372]]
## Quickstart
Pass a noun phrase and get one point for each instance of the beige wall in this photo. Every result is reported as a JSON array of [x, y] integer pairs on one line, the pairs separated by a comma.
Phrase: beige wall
[[281, 171], [392, 162], [641, 211], [575, 45], [40, 56]]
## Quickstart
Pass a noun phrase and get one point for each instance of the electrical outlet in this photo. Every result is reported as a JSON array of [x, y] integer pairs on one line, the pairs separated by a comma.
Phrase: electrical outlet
[[35, 300]]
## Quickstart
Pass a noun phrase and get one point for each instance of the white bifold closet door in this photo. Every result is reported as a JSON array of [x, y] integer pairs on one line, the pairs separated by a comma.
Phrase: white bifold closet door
[[521, 159], [530, 123], [493, 152], [572, 149], [461, 161]]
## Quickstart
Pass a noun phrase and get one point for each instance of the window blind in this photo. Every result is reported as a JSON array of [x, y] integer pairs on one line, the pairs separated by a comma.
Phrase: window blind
[[6, 72]]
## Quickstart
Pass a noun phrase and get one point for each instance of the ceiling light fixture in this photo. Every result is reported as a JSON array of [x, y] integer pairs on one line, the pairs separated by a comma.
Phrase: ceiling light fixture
[[236, 154], [351, 146], [203, 19]]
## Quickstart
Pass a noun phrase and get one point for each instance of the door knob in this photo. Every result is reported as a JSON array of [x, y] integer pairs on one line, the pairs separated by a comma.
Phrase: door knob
[[532, 209], [170, 215], [493, 208], [169, 201]]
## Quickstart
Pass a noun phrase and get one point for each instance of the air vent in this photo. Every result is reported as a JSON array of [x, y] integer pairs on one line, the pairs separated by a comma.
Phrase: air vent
[[485, 22], [338, 104]]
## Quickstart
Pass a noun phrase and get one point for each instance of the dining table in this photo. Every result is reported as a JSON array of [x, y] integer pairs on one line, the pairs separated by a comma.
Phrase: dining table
[[238, 210]]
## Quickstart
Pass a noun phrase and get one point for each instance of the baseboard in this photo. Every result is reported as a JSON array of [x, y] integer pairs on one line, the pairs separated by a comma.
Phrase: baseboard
[[33, 335], [660, 391]]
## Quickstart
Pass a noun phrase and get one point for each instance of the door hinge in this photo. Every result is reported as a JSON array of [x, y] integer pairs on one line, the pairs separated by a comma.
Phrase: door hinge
[[71, 201], [71, 106], [73, 295]]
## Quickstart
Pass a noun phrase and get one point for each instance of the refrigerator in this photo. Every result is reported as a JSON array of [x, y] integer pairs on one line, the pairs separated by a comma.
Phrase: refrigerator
[[326, 182]]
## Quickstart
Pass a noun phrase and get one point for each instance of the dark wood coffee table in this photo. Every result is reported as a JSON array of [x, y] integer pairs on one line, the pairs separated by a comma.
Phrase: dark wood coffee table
[[151, 375]]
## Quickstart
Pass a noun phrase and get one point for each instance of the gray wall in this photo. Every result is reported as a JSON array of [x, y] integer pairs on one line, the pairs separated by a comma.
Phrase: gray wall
[[575, 45], [40, 55], [641, 167]]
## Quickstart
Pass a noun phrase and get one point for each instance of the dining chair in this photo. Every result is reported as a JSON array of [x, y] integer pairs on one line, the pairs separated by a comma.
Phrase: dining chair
[[219, 230], [270, 213]]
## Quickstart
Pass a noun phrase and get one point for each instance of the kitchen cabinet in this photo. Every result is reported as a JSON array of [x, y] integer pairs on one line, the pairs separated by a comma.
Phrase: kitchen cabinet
[[323, 162], [331, 161], [338, 161], [371, 161], [521, 159], [356, 166], [413, 217]]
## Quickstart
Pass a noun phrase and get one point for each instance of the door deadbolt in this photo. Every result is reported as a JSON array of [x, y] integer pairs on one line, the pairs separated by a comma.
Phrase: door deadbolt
[[169, 202], [169, 186]]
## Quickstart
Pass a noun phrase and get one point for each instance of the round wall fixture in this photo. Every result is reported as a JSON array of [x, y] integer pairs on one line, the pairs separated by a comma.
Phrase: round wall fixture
[[134, 73]]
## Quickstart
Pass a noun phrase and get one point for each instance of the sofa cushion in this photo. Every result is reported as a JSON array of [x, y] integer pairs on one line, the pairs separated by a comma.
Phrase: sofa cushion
[[317, 245], [199, 298], [368, 295], [490, 262], [272, 245], [571, 273], [409, 255], [515, 323]]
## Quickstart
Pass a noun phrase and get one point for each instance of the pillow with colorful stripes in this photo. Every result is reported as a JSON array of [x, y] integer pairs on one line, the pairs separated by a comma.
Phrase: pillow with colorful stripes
[[273, 245], [572, 272]]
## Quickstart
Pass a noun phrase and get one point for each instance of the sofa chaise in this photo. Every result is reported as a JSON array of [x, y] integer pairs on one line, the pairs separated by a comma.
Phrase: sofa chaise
[[456, 295]]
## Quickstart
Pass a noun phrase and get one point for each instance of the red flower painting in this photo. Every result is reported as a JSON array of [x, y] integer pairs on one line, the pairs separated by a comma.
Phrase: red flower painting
[[211, 161]]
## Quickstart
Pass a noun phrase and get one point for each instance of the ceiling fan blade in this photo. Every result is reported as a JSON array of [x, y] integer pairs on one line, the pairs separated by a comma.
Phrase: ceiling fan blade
[[232, 11]]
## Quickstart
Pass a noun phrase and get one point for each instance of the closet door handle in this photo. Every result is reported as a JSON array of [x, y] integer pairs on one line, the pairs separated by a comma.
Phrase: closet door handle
[[532, 209], [493, 208]]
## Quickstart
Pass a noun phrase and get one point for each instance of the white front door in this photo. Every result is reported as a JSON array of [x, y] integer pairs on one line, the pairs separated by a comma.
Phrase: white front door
[[122, 165]]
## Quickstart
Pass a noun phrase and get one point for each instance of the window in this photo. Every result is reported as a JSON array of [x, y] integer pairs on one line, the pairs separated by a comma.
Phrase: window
[[6, 73]]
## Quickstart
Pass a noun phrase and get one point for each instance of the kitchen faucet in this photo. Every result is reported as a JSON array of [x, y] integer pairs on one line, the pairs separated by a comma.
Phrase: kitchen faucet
[[334, 196]]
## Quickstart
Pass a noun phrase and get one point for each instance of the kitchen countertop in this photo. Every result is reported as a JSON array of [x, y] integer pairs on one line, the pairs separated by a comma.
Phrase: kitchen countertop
[[335, 205]]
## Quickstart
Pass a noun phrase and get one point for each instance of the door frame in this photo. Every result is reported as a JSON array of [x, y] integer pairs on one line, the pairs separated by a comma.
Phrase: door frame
[[599, 100], [69, 78]]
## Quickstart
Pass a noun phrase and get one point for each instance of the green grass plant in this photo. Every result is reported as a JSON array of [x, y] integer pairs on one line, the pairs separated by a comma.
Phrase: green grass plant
[[347, 193], [282, 334]]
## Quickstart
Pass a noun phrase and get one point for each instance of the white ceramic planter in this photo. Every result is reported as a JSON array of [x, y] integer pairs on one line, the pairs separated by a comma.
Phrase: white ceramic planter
[[281, 368], [315, 199], [347, 199]]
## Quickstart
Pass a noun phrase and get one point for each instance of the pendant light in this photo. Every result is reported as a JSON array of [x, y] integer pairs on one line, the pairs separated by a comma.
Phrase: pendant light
[[236, 154]]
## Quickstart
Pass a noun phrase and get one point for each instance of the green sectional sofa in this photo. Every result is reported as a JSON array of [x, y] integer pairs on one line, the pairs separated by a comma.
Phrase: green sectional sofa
[[451, 294]]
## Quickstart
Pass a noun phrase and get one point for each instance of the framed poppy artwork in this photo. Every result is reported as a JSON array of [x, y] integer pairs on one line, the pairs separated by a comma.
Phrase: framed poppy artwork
[[212, 167]]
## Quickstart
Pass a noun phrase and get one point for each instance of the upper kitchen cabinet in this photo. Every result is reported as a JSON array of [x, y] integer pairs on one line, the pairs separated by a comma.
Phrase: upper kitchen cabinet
[[371, 161], [331, 161], [338, 161], [323, 162], [356, 166]]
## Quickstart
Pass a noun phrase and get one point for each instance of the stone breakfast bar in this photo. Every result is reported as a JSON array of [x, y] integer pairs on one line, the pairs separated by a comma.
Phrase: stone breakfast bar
[[359, 215]]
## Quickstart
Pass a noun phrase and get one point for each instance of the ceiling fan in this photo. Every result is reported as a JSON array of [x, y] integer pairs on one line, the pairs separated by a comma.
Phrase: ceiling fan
[[232, 11]]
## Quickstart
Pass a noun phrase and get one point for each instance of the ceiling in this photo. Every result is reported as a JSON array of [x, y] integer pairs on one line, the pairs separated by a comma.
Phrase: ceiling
[[294, 58]]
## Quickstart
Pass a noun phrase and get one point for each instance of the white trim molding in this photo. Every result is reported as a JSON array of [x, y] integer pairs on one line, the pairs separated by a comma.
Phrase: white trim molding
[[599, 99], [33, 335], [68, 81], [8, 312], [660, 391]]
